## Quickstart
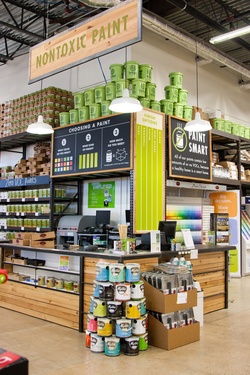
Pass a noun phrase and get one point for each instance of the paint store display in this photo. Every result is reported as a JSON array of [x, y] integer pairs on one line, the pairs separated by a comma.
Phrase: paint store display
[[117, 319]]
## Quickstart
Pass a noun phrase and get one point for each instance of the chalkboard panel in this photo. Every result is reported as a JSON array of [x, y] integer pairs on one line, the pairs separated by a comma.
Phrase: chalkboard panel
[[189, 152], [98, 145]]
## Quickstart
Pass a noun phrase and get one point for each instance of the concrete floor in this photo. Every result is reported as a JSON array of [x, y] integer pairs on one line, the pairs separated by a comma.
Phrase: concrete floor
[[223, 349]]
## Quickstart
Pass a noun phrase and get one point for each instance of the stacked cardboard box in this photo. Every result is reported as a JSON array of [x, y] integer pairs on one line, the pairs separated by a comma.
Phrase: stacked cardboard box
[[46, 239], [232, 167], [37, 165]]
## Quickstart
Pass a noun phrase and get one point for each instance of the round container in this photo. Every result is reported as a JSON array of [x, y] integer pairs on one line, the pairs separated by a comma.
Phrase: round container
[[78, 100], [83, 113], [106, 291], [68, 285], [123, 328], [105, 111], [145, 102], [131, 70], [94, 110], [116, 72], [64, 118], [171, 93], [227, 126], [88, 338], [116, 272], [155, 105], [89, 96], [182, 96], [139, 326], [131, 346], [91, 306], [59, 283], [41, 280], [175, 79], [76, 287], [247, 132], [143, 342], [187, 112], [150, 91], [110, 91], [112, 346], [102, 271], [91, 323], [132, 272], [235, 128], [104, 326], [73, 116], [120, 85], [167, 106], [178, 110], [138, 87], [96, 343], [241, 130], [137, 290], [218, 123], [96, 289], [122, 291], [50, 282], [133, 309], [100, 308], [114, 309], [145, 72], [143, 307], [100, 94]]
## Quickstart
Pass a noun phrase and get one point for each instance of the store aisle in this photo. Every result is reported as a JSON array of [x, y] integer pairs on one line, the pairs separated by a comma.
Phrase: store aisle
[[54, 350]]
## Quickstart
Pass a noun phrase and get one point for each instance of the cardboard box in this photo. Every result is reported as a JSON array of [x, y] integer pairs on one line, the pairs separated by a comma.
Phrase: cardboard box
[[165, 303], [19, 261], [161, 337], [17, 241], [23, 235], [43, 243], [42, 236]]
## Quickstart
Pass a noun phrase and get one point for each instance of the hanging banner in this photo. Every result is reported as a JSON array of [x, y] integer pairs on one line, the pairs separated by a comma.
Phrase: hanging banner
[[109, 31]]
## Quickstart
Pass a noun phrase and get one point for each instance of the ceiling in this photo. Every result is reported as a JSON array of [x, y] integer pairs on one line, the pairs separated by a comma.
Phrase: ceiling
[[25, 23]]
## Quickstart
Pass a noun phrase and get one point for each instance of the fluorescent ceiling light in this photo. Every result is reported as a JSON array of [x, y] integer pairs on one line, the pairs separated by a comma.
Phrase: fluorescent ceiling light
[[197, 125], [230, 35], [125, 104], [40, 127]]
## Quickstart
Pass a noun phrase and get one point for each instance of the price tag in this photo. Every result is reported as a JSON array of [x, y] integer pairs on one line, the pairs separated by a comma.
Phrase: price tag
[[181, 298], [17, 213], [7, 213], [22, 214], [8, 200], [38, 229], [22, 228], [23, 199], [5, 227], [36, 199], [194, 254]]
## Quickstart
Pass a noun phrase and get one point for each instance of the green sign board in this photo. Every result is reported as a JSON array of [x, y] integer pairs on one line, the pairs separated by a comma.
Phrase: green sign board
[[101, 194]]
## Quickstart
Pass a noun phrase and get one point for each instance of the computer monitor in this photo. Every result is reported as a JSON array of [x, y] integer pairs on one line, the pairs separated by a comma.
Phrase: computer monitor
[[102, 218], [168, 228], [127, 215]]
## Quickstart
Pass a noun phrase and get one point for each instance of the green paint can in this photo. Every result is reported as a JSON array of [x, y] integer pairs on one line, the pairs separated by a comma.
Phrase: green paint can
[[89, 96], [145, 102], [94, 110], [227, 125], [178, 110], [73, 116], [116, 72], [235, 128], [78, 100], [139, 87], [145, 72], [155, 105], [247, 132], [150, 90], [171, 93], [100, 94], [110, 91], [175, 79], [187, 112], [131, 70], [182, 96], [64, 118], [167, 106], [120, 85], [241, 130], [83, 113], [105, 111], [219, 124]]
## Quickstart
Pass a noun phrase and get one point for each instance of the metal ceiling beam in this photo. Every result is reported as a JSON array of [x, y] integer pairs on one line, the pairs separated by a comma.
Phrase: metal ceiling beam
[[21, 31], [4, 57]]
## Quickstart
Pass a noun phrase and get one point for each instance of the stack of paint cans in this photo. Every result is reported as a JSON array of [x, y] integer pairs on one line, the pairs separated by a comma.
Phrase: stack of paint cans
[[117, 319]]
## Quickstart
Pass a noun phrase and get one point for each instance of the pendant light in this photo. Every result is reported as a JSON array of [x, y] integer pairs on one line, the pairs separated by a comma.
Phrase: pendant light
[[197, 125]]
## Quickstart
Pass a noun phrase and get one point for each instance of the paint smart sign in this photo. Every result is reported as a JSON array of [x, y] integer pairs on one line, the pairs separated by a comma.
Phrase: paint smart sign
[[113, 29], [190, 152]]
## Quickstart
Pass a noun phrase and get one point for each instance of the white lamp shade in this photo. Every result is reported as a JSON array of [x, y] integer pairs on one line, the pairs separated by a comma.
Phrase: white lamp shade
[[125, 104], [197, 125], [40, 127]]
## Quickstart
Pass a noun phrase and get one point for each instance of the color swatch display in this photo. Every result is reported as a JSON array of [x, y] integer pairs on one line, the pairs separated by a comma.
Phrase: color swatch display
[[86, 161], [63, 164]]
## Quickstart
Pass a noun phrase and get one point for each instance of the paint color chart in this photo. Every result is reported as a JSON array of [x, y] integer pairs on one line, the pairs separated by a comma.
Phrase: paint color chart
[[64, 164]]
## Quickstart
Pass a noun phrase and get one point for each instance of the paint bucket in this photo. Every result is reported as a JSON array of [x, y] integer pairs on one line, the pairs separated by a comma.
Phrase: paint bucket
[[112, 346], [105, 111], [94, 110], [100, 308], [150, 91], [167, 106], [242, 130], [120, 85], [235, 128], [145, 102], [137, 290], [89, 96], [132, 272], [178, 110], [50, 282], [59, 283], [139, 87], [139, 326], [116, 272], [175, 79], [41, 280], [123, 328], [73, 116], [155, 105], [145, 72], [171, 93], [110, 91], [78, 100], [114, 309], [122, 291], [106, 291], [182, 96], [64, 118], [247, 132], [131, 346], [91, 323], [96, 343], [87, 338], [116, 72], [187, 112], [143, 306], [218, 124], [143, 341], [227, 126], [100, 94], [133, 309], [96, 289], [131, 70], [83, 113], [102, 271], [104, 327], [91, 306]]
